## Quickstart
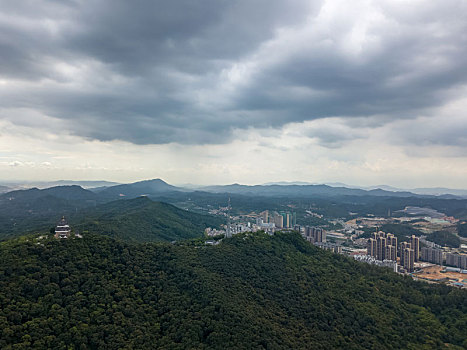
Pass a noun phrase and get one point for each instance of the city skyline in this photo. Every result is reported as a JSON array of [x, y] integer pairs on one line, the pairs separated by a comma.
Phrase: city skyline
[[365, 93]]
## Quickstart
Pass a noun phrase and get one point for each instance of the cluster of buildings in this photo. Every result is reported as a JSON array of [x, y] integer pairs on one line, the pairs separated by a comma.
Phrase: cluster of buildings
[[410, 253], [371, 260], [313, 234], [333, 247], [275, 221], [433, 255], [283, 219], [317, 236], [438, 256], [288, 220], [457, 260], [264, 222], [234, 229], [212, 232], [383, 246]]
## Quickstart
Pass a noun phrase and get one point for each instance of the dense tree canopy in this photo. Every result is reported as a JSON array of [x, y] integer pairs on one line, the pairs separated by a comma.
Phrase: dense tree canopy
[[444, 238], [251, 291], [142, 220], [462, 229]]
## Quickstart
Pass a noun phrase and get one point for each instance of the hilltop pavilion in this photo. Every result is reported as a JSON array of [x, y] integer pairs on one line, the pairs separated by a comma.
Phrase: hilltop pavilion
[[62, 230]]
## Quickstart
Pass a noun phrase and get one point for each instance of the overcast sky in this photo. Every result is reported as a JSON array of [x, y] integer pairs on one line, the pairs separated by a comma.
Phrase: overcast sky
[[223, 91]]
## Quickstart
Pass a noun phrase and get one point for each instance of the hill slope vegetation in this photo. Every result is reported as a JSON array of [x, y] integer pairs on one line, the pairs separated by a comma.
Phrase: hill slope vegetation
[[249, 292], [142, 220], [137, 219], [24, 210]]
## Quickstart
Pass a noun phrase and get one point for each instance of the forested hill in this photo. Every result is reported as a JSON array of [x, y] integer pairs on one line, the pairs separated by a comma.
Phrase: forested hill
[[249, 292], [138, 219], [142, 220], [35, 209]]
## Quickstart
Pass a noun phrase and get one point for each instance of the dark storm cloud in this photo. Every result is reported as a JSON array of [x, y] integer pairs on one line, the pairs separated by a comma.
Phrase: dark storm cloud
[[191, 71], [142, 35]]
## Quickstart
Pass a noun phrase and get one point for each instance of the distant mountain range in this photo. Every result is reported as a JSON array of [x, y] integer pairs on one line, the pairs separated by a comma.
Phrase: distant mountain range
[[288, 183], [429, 191], [141, 188], [46, 184], [158, 187], [439, 191], [107, 191], [27, 198], [302, 191]]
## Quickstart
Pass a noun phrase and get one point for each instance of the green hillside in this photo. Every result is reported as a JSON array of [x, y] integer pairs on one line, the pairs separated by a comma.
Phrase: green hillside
[[142, 220], [138, 219], [33, 209], [249, 292]]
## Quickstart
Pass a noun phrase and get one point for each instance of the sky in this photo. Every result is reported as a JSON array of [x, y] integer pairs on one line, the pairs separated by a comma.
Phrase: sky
[[235, 91]]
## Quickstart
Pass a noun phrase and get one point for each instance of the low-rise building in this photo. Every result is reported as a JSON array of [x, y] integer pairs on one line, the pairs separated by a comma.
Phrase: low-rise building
[[329, 246]]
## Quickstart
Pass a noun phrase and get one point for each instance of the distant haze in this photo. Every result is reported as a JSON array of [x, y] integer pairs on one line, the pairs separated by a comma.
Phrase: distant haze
[[281, 188], [217, 92]]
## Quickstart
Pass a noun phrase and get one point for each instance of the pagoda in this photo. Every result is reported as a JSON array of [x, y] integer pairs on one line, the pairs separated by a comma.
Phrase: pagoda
[[62, 230]]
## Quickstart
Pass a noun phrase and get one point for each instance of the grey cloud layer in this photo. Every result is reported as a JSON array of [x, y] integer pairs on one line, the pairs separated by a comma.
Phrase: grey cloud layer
[[153, 72]]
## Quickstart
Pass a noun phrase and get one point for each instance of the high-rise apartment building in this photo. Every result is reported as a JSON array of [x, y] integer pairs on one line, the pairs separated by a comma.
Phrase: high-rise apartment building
[[408, 261], [391, 253], [320, 235], [407, 256], [285, 219], [382, 246], [415, 245], [307, 232], [391, 240], [371, 247], [402, 247], [289, 219], [279, 221]]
